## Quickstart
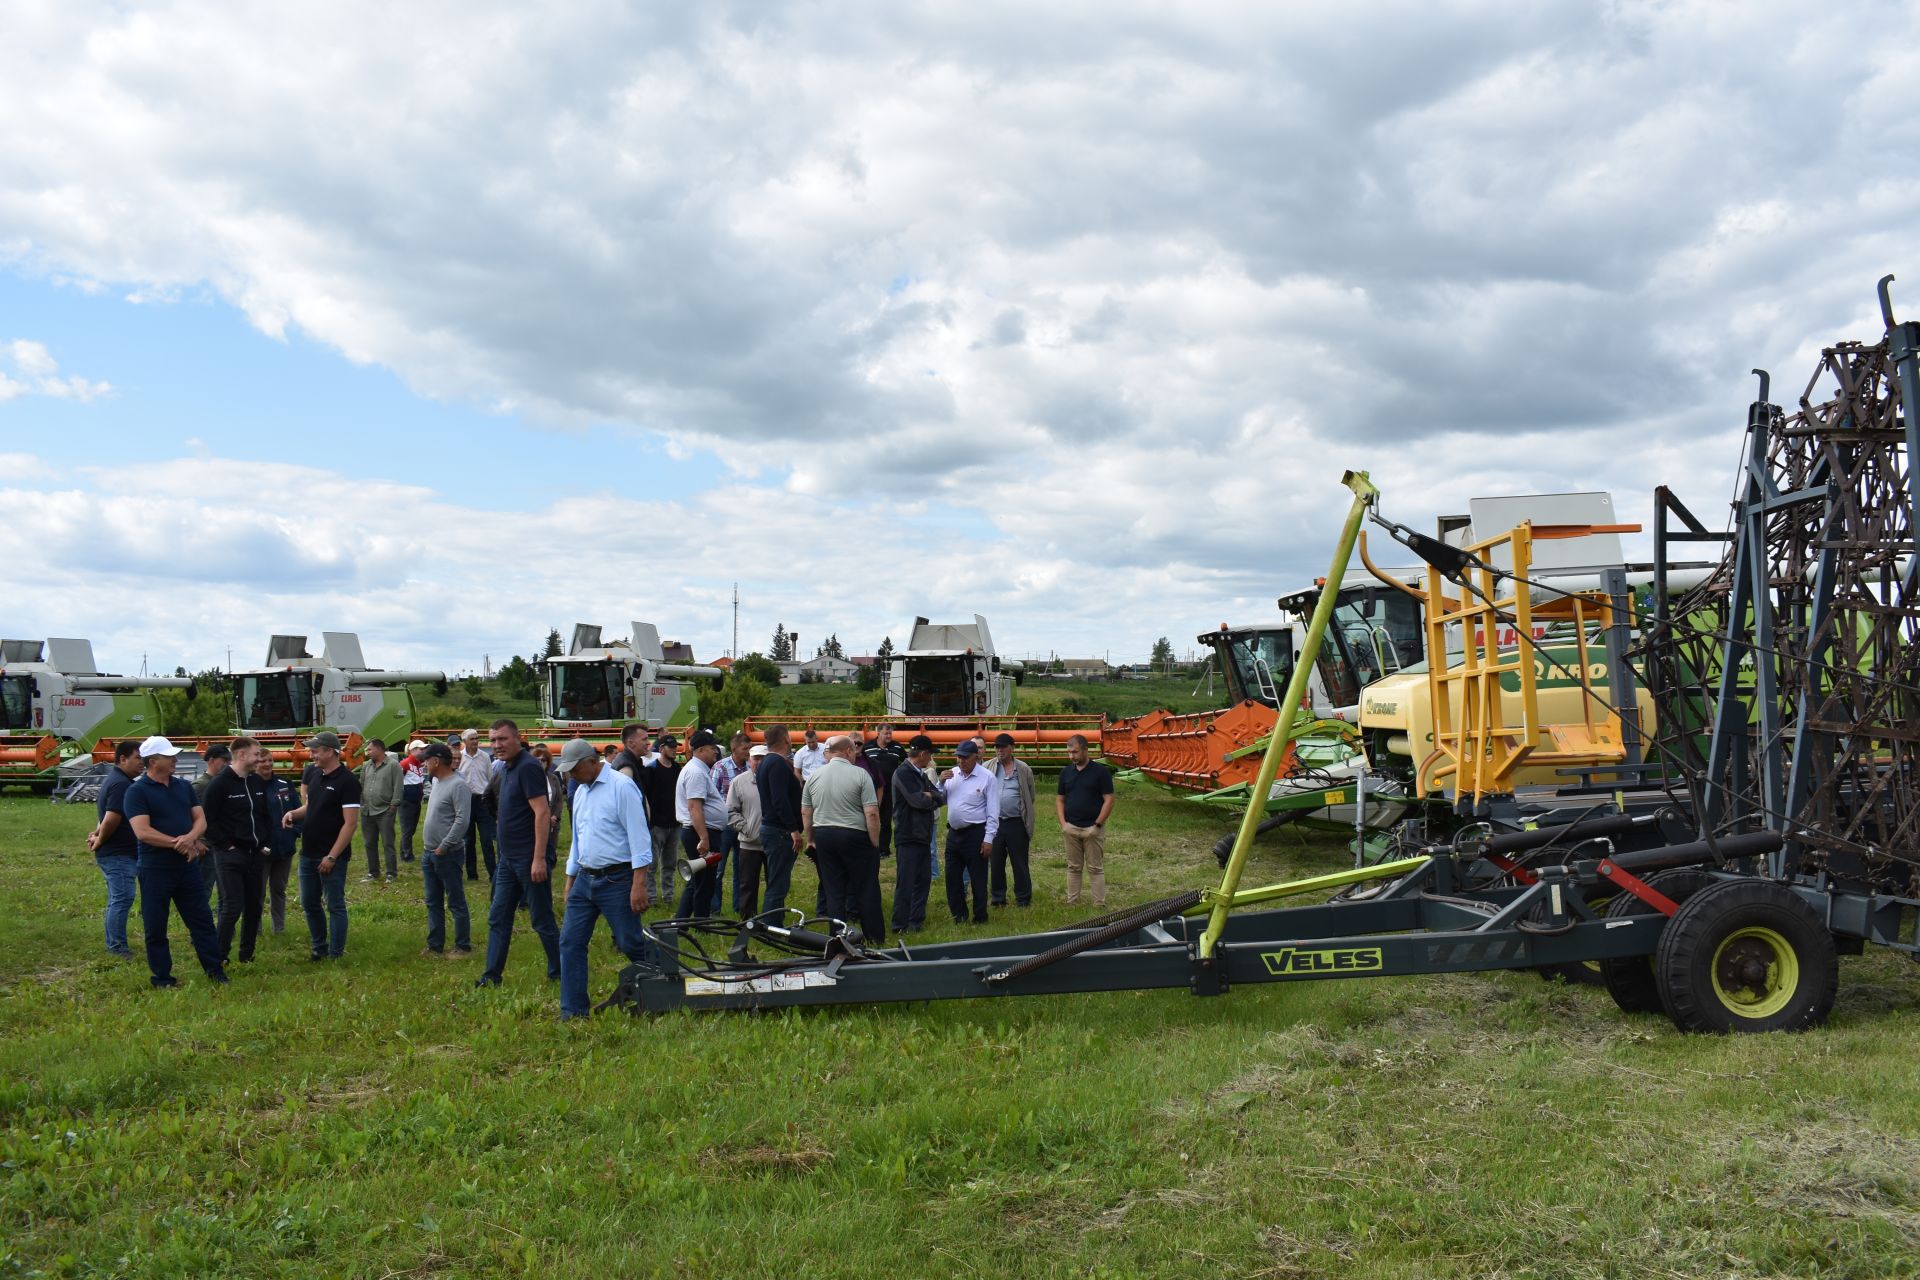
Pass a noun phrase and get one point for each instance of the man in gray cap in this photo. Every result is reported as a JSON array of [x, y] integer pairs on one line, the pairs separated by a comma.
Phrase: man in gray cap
[[330, 812], [973, 819], [606, 867]]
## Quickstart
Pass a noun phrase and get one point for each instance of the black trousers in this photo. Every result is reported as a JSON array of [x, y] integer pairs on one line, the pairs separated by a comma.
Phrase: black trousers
[[964, 858], [242, 875], [1011, 844], [850, 878], [912, 877]]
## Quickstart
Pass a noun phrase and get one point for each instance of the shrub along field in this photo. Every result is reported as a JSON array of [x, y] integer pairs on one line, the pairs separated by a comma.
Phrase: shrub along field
[[381, 1117]]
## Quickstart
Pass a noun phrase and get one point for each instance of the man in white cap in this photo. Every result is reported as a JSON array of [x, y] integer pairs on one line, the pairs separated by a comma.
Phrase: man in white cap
[[607, 858], [413, 789], [743, 815], [169, 824]]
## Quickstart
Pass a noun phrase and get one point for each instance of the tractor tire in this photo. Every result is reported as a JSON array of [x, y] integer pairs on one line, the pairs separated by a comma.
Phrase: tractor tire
[[1629, 979], [1747, 955]]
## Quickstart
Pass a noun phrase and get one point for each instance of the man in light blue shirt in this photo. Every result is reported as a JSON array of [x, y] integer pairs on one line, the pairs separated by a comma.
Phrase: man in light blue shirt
[[973, 819], [611, 842]]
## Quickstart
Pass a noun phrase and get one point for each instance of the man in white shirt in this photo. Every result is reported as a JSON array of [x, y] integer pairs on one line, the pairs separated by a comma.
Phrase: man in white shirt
[[973, 819], [476, 770], [811, 758]]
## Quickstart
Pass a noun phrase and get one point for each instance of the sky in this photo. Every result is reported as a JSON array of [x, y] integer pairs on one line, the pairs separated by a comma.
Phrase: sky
[[450, 323]]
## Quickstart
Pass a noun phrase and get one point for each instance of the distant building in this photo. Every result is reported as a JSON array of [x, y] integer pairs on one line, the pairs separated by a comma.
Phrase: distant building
[[826, 669], [1085, 668], [725, 664]]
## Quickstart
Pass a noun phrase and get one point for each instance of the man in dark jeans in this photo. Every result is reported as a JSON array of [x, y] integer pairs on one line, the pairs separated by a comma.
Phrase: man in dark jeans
[[780, 826], [169, 823], [1014, 778], [331, 810], [522, 873], [973, 819], [240, 835], [915, 800], [449, 814], [115, 851]]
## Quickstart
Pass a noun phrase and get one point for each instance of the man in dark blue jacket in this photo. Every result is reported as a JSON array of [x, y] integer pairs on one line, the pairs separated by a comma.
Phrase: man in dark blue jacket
[[780, 825], [915, 798]]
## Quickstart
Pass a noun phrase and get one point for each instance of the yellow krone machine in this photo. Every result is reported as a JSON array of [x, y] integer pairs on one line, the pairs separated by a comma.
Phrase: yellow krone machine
[[1525, 696]]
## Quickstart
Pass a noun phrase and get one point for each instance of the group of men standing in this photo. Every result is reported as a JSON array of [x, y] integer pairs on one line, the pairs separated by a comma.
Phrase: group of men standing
[[845, 802]]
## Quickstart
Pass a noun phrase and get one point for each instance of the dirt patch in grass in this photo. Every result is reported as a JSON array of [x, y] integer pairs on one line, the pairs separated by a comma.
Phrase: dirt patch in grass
[[763, 1160]]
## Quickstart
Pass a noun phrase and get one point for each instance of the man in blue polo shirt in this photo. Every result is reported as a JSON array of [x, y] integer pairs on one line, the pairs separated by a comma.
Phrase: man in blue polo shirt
[[169, 823], [521, 874]]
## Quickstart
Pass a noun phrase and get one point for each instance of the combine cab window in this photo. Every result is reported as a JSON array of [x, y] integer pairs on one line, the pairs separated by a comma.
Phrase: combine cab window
[[1376, 631], [276, 702], [938, 687], [1258, 664], [16, 704], [588, 690]]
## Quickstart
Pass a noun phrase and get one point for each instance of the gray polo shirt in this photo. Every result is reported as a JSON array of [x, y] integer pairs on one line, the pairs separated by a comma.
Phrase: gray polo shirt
[[838, 794]]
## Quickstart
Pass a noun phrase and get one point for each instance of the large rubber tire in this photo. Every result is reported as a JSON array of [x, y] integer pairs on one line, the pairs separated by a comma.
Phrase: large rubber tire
[[1629, 979], [1747, 955]]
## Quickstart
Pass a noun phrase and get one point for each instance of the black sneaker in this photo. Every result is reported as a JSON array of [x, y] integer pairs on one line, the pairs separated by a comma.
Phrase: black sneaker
[[219, 978], [163, 984], [485, 981], [315, 956]]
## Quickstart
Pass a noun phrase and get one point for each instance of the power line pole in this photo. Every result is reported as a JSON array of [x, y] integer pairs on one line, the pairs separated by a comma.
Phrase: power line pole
[[734, 652]]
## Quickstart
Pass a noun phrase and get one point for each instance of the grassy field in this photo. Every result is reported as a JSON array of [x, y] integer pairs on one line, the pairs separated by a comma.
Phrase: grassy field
[[380, 1117]]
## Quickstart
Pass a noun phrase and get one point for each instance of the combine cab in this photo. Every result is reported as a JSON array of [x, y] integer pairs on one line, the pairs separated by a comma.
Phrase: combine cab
[[295, 694], [951, 685], [598, 687], [56, 704]]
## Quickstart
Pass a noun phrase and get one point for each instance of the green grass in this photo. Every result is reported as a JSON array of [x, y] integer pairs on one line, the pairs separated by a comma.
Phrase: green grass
[[380, 1117]]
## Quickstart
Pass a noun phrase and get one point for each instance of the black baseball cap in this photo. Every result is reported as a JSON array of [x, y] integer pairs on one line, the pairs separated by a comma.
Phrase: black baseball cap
[[918, 743], [701, 738], [1004, 740], [440, 751], [218, 751]]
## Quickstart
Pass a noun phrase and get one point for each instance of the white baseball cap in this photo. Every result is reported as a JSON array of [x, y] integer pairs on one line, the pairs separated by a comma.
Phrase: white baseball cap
[[157, 746], [759, 749]]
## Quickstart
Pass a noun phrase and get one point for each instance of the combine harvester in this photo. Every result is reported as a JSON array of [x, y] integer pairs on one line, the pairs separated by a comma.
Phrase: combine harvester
[[597, 688], [294, 695], [950, 684], [54, 709], [1779, 829]]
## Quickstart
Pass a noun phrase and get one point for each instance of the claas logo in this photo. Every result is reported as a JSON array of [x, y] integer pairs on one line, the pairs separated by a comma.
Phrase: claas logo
[[1320, 960]]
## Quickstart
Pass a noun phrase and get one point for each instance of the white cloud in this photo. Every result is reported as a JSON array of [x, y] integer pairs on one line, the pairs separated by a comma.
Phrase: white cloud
[[34, 371], [1126, 285]]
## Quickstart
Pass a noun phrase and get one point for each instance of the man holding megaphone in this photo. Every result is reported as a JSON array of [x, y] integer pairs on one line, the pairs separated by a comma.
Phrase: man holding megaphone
[[702, 812], [606, 867]]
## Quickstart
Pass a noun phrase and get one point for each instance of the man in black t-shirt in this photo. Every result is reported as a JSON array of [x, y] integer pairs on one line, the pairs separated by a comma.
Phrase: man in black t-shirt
[[1083, 805], [524, 872], [331, 810]]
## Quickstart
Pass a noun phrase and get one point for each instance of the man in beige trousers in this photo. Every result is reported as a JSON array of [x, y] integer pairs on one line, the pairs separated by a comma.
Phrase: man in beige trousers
[[1083, 806]]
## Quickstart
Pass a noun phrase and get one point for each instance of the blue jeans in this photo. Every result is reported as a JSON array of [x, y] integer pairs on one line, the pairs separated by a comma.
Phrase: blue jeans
[[513, 884], [590, 899], [445, 877], [776, 845], [123, 883], [326, 929], [167, 881]]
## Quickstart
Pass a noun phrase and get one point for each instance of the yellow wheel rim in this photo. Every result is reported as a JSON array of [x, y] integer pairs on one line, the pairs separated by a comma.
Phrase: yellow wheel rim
[[1755, 972]]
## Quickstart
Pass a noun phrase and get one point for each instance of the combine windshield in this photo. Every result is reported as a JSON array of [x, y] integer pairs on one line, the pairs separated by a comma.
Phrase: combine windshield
[[1376, 632], [587, 690], [1258, 664], [938, 687], [16, 704], [276, 702]]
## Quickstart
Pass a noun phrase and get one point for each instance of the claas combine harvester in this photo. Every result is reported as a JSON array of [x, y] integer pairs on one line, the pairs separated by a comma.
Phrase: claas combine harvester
[[1711, 859], [56, 704]]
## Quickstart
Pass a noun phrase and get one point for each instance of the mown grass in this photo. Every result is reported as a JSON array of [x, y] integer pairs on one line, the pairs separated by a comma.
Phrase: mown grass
[[380, 1117]]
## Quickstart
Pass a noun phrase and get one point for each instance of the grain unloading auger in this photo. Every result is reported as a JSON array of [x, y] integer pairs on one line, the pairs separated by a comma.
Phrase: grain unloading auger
[[1788, 685]]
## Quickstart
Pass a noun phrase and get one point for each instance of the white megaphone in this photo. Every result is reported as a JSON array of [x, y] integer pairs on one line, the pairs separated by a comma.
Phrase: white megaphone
[[691, 867]]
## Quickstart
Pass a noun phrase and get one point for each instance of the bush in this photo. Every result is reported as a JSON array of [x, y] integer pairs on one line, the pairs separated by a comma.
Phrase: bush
[[757, 667], [1028, 705], [722, 709], [869, 705]]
